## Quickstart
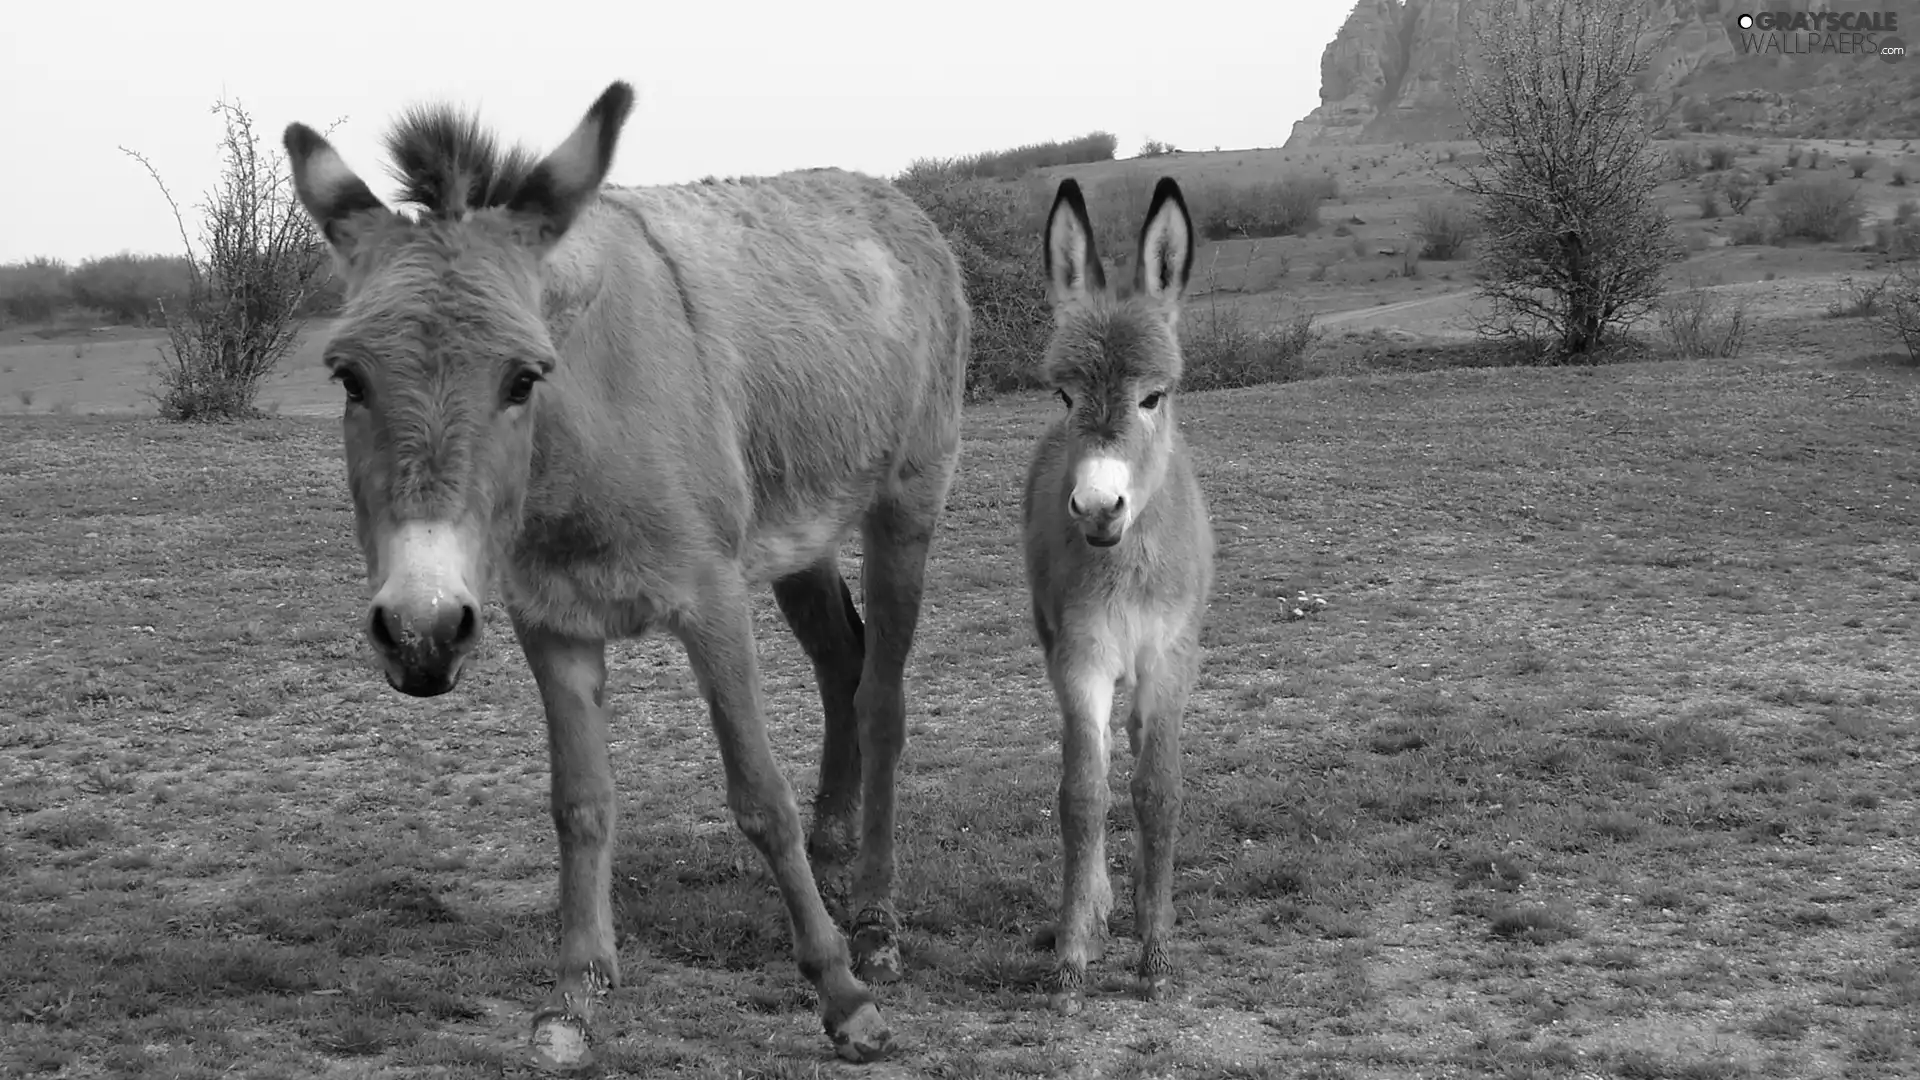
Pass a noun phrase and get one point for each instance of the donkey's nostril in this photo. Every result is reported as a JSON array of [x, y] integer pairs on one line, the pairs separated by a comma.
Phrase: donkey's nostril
[[380, 628], [469, 625], [1119, 503], [447, 628]]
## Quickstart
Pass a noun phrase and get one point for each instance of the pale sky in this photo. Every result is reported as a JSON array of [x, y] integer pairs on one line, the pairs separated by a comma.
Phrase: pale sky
[[727, 88]]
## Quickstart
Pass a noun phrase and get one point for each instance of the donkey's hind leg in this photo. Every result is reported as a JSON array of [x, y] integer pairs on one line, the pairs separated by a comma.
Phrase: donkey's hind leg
[[896, 534], [818, 606], [1153, 735], [718, 634]]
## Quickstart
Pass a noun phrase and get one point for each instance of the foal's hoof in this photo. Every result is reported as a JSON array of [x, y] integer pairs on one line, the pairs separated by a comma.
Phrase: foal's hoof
[[876, 951], [863, 1037], [561, 1043]]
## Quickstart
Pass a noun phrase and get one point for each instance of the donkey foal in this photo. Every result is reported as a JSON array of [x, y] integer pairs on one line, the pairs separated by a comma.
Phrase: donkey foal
[[1120, 563]]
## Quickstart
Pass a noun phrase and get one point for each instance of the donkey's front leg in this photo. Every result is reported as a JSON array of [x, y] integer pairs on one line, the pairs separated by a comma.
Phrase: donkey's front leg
[[572, 676], [718, 634], [1086, 895], [1153, 735]]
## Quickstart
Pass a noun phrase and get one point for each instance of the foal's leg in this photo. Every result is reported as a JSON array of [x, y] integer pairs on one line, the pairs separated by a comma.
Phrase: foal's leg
[[819, 608], [896, 534], [1153, 735], [719, 638], [572, 676], [1085, 691]]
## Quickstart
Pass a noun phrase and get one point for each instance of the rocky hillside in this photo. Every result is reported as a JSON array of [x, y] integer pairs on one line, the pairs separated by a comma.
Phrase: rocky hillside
[[1388, 76]]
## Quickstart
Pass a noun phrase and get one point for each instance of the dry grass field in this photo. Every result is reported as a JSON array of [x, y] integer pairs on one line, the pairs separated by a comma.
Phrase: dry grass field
[[1599, 761]]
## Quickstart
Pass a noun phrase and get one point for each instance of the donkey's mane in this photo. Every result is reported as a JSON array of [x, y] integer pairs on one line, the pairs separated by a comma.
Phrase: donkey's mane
[[447, 163]]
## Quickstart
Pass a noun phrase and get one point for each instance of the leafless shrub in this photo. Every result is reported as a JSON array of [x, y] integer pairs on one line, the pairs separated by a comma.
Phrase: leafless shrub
[[1739, 190], [260, 260], [1825, 210], [1700, 323], [1224, 349], [1443, 229], [1573, 245], [1858, 300], [1900, 314], [1708, 198]]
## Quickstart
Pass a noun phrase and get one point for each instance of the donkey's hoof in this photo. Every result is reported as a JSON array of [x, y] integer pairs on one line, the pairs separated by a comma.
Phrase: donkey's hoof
[[863, 1037], [1069, 994], [1156, 987], [876, 951], [561, 1043]]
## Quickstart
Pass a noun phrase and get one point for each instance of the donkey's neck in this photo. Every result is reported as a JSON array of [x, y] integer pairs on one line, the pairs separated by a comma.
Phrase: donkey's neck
[[629, 408]]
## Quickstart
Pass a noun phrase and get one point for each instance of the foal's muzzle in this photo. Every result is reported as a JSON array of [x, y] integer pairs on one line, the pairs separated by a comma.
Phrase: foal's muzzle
[[1103, 531], [1098, 502]]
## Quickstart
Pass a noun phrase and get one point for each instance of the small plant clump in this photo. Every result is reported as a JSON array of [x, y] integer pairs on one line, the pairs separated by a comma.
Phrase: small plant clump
[[261, 260]]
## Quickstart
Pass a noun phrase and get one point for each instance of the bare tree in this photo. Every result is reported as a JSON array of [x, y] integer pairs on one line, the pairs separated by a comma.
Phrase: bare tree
[[1573, 246], [261, 260]]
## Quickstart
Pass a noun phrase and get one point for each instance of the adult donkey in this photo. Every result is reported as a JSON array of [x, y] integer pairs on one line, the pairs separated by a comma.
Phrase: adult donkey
[[632, 406]]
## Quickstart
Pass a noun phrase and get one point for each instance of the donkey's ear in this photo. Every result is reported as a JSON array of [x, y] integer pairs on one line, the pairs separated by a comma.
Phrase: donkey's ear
[[334, 196], [1166, 245], [570, 177], [1073, 267]]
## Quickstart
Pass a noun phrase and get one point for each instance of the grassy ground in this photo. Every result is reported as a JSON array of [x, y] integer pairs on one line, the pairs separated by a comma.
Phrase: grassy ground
[[1599, 763]]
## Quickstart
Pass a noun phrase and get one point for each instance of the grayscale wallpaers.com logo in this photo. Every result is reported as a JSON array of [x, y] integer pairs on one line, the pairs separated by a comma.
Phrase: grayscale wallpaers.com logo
[[1845, 31]]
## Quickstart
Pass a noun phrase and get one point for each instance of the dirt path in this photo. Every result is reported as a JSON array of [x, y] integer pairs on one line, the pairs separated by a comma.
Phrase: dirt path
[[1392, 314], [1445, 315]]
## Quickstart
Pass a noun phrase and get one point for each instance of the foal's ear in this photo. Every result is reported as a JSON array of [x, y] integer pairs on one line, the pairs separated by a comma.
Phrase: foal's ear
[[1073, 268], [570, 177], [1166, 245], [340, 203]]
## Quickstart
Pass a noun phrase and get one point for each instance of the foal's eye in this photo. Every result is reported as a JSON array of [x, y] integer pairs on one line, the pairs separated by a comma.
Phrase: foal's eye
[[1065, 398], [356, 392], [521, 388], [1151, 401]]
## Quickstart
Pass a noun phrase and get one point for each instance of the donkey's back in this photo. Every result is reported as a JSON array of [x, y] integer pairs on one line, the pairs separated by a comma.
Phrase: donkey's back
[[821, 282], [799, 341]]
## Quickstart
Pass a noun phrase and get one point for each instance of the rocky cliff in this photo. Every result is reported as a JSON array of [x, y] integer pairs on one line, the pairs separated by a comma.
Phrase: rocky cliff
[[1389, 75]]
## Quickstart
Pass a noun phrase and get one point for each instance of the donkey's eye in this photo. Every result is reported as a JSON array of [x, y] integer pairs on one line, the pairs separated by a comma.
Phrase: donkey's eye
[[356, 392], [521, 388], [1151, 401], [1065, 398]]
